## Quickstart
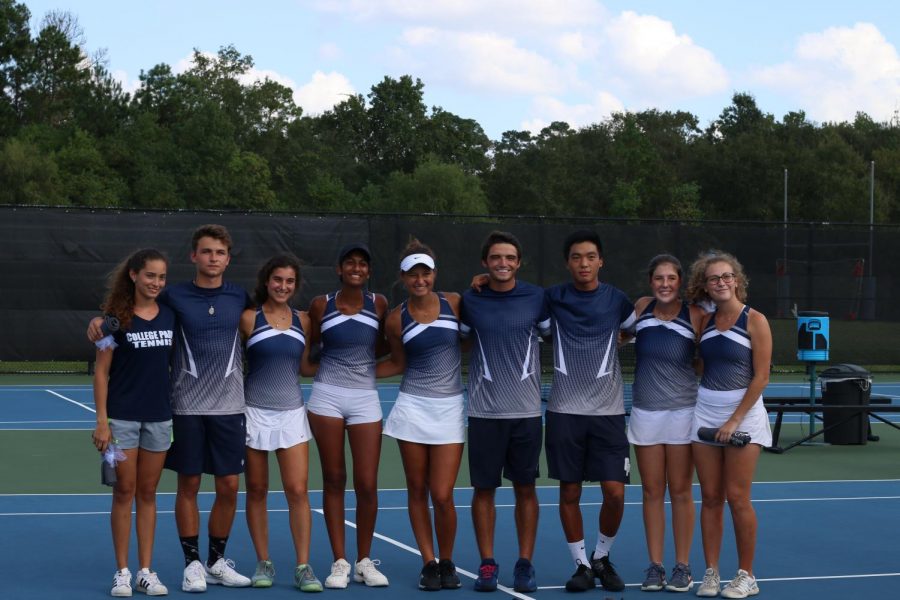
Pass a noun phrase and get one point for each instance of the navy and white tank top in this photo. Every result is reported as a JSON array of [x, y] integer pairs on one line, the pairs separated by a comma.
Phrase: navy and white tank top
[[727, 357], [273, 360], [348, 345], [664, 377], [432, 353]]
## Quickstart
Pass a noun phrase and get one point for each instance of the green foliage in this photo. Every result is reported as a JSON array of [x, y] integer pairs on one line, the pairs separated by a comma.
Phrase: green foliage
[[211, 138]]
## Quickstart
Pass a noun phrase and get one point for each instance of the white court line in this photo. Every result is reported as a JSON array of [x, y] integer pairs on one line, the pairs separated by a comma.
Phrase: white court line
[[771, 579], [41, 422], [75, 402], [412, 550]]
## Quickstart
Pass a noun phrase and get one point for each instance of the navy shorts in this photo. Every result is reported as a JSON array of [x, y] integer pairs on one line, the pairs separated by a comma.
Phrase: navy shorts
[[587, 448], [211, 444], [511, 447]]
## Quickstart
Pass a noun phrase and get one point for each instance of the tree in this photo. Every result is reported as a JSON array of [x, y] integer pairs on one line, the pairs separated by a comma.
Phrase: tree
[[15, 44], [433, 187]]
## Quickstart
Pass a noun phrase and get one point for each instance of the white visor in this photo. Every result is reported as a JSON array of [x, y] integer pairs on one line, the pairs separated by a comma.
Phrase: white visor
[[416, 259]]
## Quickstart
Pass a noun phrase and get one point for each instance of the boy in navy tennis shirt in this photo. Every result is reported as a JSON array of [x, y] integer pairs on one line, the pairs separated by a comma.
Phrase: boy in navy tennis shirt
[[504, 321], [585, 427]]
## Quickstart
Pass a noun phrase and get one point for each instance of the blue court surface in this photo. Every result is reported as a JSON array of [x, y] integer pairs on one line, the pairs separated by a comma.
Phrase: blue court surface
[[816, 539]]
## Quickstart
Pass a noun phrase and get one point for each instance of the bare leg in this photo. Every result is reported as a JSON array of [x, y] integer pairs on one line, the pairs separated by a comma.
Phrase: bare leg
[[256, 478], [443, 470], [221, 515], [652, 466], [709, 461], [570, 510], [415, 465], [680, 474], [526, 517], [329, 434], [365, 446], [149, 469], [740, 463], [294, 465], [613, 507], [122, 499], [484, 517], [187, 514]]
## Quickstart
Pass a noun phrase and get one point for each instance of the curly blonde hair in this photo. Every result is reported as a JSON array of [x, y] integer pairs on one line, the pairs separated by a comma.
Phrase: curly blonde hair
[[696, 289]]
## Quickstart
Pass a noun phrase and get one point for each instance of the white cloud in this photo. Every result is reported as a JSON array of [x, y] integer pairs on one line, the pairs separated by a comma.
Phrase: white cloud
[[578, 46], [323, 91], [319, 94], [484, 61], [128, 85], [506, 15], [547, 109], [838, 72], [648, 51]]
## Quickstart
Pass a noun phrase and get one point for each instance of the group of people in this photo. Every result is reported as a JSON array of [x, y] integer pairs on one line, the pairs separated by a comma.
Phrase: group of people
[[223, 423]]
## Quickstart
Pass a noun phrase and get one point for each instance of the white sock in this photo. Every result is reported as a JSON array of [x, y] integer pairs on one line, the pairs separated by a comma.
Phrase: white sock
[[579, 556], [604, 545]]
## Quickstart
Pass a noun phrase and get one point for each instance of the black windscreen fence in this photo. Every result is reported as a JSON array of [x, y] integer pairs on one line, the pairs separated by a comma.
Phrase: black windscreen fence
[[54, 263]]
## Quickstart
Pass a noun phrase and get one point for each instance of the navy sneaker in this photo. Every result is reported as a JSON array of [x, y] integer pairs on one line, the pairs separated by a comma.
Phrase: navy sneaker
[[523, 576], [487, 576]]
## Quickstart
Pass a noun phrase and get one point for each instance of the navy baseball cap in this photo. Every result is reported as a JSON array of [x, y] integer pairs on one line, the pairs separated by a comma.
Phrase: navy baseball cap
[[354, 247]]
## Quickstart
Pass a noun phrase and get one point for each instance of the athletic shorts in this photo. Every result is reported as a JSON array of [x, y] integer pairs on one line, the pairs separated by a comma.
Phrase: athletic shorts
[[587, 448], [354, 406], [211, 444], [511, 447], [155, 436]]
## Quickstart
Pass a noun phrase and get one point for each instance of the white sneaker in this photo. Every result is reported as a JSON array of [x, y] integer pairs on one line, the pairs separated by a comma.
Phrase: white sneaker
[[148, 582], [365, 572], [223, 573], [194, 578], [709, 588], [743, 585], [121, 587], [340, 575]]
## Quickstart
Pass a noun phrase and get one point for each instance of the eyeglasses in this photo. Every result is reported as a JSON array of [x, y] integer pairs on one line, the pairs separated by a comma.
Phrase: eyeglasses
[[724, 278]]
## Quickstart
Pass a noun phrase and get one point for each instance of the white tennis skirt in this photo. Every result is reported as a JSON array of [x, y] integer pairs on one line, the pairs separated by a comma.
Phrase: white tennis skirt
[[715, 407], [651, 427], [276, 429], [427, 420]]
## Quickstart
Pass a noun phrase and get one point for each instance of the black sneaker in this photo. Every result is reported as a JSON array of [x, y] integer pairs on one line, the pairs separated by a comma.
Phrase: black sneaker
[[606, 573], [582, 580], [449, 578], [430, 578]]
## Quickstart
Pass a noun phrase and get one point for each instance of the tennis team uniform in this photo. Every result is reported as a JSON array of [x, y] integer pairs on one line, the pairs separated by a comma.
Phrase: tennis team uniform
[[504, 382], [429, 407], [207, 379], [727, 371], [344, 385], [665, 383], [138, 406], [276, 416], [586, 411]]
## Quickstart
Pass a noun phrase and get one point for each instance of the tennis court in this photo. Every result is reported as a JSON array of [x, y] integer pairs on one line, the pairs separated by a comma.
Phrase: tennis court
[[828, 515]]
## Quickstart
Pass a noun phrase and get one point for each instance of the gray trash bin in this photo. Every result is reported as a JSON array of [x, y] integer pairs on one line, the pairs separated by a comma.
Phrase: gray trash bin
[[845, 385]]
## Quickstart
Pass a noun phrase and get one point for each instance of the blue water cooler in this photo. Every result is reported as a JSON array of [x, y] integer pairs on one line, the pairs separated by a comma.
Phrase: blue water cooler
[[812, 347], [812, 336]]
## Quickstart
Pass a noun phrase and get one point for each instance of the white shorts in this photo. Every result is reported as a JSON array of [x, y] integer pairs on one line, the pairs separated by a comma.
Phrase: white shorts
[[427, 420], [276, 429], [651, 427], [715, 407], [354, 406]]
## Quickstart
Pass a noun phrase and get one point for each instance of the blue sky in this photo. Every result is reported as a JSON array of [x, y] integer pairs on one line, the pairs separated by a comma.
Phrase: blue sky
[[521, 64]]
